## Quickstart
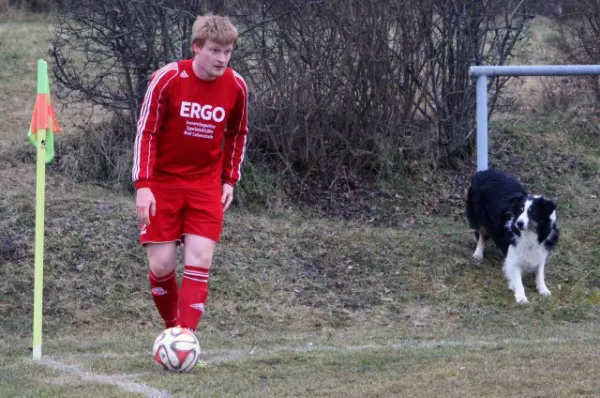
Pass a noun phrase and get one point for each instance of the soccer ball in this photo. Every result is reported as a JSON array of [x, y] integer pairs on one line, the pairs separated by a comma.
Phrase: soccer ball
[[176, 349]]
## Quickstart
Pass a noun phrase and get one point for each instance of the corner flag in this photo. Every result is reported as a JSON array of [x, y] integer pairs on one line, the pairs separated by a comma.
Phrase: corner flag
[[43, 113], [43, 125]]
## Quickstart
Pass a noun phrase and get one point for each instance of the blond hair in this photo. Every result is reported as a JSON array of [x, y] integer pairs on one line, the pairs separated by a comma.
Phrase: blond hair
[[215, 28]]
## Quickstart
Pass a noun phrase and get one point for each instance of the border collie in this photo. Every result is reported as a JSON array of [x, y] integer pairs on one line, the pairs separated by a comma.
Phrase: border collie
[[522, 226]]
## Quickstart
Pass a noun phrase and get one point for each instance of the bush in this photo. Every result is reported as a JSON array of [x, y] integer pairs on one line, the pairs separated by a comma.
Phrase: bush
[[370, 88], [101, 154]]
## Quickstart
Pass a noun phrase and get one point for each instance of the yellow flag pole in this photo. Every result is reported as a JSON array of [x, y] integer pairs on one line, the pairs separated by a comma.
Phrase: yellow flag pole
[[40, 191]]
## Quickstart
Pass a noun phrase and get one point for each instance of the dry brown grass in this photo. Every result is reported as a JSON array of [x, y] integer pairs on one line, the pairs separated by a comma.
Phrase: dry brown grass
[[18, 74], [24, 39], [540, 95]]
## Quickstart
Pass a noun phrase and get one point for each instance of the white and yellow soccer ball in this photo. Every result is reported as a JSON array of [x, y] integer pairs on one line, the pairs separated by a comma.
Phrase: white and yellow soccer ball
[[176, 349]]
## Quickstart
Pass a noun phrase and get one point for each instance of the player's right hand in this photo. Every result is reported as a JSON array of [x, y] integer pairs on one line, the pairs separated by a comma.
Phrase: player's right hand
[[145, 205]]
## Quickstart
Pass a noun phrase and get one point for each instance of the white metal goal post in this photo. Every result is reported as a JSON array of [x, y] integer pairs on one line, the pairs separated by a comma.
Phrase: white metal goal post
[[483, 72]]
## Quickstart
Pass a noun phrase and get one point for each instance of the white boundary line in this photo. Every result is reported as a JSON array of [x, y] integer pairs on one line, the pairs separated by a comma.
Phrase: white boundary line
[[215, 357], [128, 386], [220, 356]]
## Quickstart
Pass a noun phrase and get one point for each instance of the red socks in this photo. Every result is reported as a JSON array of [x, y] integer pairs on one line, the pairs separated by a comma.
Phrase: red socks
[[192, 296], [164, 293], [190, 299]]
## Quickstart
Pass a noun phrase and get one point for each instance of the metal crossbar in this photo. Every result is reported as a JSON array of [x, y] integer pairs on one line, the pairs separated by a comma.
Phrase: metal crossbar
[[483, 72]]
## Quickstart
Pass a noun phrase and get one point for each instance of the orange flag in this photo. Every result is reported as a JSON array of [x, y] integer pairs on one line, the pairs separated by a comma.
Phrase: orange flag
[[42, 111]]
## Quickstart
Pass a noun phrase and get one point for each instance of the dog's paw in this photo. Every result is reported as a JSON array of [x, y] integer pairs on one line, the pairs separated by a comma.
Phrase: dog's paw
[[521, 299], [545, 292], [477, 256]]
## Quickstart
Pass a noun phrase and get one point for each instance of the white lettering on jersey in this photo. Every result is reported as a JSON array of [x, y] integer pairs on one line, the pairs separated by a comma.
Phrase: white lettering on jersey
[[185, 109], [194, 110], [221, 113], [195, 113]]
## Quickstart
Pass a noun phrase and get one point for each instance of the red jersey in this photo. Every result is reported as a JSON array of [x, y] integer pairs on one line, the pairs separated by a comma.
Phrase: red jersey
[[191, 131]]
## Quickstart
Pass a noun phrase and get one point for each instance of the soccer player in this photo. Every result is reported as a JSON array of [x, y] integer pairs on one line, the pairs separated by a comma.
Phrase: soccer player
[[189, 148]]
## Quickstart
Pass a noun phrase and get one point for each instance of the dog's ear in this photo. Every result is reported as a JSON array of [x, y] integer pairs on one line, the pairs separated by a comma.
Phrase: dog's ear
[[547, 206], [508, 221]]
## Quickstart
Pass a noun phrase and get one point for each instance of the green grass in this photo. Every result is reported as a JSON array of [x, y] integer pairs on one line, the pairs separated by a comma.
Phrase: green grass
[[391, 267], [348, 364], [450, 372], [267, 270]]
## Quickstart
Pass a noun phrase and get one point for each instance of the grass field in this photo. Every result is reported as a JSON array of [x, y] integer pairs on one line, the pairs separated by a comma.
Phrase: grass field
[[316, 365], [302, 305]]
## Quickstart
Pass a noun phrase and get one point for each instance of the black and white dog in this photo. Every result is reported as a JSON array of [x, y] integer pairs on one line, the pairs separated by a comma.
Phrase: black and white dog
[[521, 225]]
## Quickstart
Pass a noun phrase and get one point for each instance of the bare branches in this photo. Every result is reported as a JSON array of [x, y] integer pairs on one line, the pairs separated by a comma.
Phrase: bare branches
[[579, 30], [370, 87], [104, 51]]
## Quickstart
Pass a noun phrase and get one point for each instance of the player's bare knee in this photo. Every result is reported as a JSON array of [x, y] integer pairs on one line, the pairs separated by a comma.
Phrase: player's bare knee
[[198, 251], [199, 257], [161, 268], [162, 259]]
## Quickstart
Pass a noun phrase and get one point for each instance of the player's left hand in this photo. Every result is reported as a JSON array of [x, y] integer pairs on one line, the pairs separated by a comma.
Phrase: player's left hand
[[227, 196]]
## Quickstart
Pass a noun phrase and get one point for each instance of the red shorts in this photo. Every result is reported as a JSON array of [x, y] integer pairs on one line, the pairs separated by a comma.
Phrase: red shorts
[[184, 211]]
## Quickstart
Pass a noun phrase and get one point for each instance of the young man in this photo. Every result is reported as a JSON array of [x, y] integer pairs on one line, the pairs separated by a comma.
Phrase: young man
[[188, 154]]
